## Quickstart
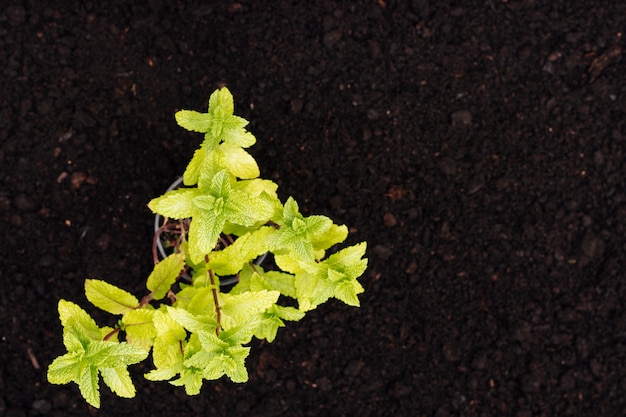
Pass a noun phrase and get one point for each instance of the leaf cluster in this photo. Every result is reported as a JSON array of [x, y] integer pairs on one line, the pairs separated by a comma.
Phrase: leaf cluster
[[194, 328]]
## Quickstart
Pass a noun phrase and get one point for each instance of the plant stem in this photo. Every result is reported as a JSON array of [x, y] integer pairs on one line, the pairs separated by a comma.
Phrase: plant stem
[[215, 300], [111, 333]]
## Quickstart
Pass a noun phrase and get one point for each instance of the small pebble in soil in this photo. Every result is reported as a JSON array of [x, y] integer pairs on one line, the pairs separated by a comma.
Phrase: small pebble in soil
[[103, 242], [390, 220], [24, 203], [447, 165], [41, 407], [382, 252], [461, 118], [475, 183]]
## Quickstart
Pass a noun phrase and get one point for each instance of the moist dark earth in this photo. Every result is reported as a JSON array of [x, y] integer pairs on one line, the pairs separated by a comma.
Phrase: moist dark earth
[[477, 146]]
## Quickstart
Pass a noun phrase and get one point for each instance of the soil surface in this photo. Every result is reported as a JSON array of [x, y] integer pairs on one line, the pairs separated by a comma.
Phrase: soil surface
[[477, 146]]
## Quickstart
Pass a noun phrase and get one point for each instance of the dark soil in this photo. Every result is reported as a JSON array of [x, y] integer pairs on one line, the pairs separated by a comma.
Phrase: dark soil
[[478, 146]]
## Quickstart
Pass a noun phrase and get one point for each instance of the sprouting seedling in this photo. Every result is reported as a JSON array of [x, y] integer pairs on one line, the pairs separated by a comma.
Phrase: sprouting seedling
[[226, 217]]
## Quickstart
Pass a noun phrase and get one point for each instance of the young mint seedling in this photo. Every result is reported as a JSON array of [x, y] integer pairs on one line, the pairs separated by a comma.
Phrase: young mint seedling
[[224, 219]]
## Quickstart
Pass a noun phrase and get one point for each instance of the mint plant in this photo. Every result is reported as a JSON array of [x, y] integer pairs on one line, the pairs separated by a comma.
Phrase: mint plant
[[222, 220]]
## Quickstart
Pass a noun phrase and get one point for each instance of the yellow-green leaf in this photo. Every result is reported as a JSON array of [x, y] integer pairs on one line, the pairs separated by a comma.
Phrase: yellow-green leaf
[[164, 275], [109, 298]]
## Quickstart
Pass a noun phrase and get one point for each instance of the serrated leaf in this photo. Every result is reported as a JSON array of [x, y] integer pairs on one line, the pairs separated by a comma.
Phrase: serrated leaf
[[246, 248], [239, 162], [164, 275], [347, 292], [233, 132], [195, 167], [218, 358], [297, 232], [139, 327], [193, 120], [113, 354], [71, 341], [64, 369], [288, 313], [109, 298], [166, 351], [88, 385], [211, 343], [222, 98], [274, 280], [290, 210], [234, 364], [290, 262], [257, 186], [335, 234], [203, 304], [191, 379], [118, 380], [246, 210], [312, 290], [349, 260], [192, 322], [273, 319], [75, 318], [239, 308], [176, 204], [241, 333], [163, 374]]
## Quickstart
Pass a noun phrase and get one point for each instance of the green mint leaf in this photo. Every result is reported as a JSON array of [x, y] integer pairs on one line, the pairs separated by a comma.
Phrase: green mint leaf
[[191, 379], [176, 204], [109, 298], [297, 232], [118, 380], [202, 303], [290, 262], [163, 374], [192, 322], [286, 313], [333, 277], [291, 210], [195, 167], [239, 308], [106, 354], [139, 327], [349, 260], [233, 132], [273, 319], [312, 290], [88, 385], [274, 280], [193, 121], [75, 319], [71, 341], [223, 99], [347, 292], [164, 275], [204, 231], [233, 364], [258, 187], [215, 203], [89, 355], [245, 249], [64, 369], [224, 125], [166, 351], [335, 234], [240, 334], [239, 162], [218, 358]]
